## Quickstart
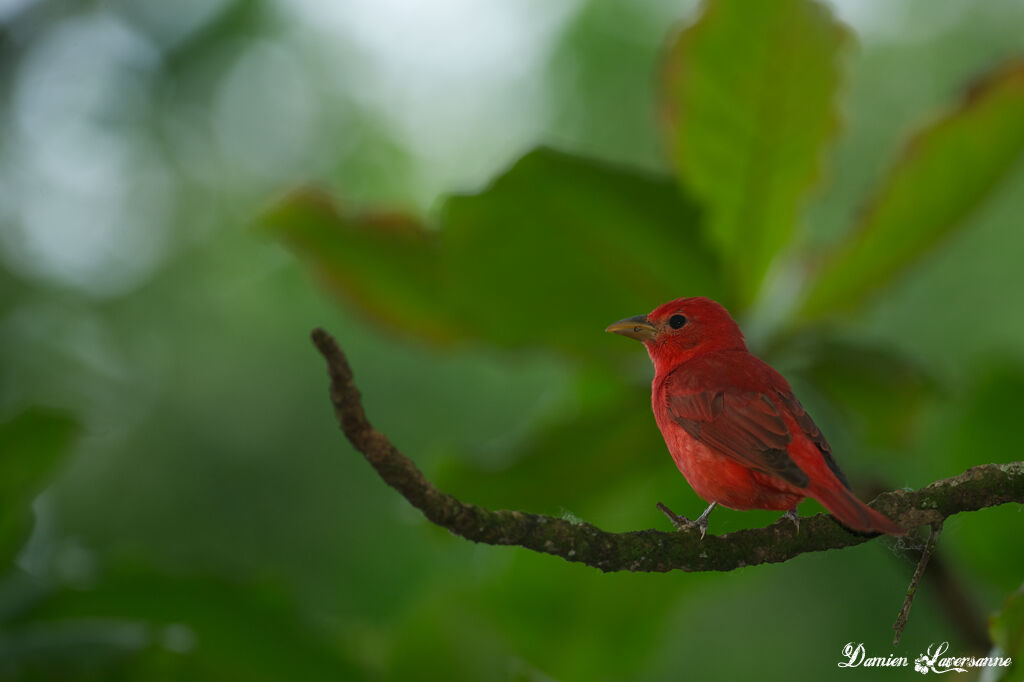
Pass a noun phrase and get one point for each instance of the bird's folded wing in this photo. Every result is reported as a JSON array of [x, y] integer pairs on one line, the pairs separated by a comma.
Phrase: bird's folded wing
[[811, 430], [744, 426]]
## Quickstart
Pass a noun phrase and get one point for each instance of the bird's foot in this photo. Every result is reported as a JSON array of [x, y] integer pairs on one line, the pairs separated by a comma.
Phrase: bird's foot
[[794, 517], [682, 523]]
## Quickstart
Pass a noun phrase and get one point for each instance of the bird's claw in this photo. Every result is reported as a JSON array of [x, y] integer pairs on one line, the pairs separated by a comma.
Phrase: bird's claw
[[794, 517], [682, 523], [702, 524]]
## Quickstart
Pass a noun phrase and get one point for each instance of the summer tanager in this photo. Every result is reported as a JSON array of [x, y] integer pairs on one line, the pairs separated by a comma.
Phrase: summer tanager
[[732, 424]]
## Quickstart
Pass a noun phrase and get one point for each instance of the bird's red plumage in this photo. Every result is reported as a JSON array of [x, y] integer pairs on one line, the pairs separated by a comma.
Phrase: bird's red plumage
[[732, 424]]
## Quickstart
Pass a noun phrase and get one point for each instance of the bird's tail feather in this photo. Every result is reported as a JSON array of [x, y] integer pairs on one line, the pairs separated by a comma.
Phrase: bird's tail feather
[[853, 513]]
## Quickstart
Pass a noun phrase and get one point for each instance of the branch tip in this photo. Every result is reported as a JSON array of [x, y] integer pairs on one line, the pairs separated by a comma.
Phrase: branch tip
[[908, 601]]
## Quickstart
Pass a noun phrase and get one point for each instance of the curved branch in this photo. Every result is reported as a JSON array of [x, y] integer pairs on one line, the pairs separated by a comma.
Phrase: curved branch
[[982, 486]]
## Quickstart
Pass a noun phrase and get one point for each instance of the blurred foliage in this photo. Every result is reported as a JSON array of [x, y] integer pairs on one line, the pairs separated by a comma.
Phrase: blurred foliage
[[139, 624], [749, 103], [31, 446], [1007, 628], [211, 523]]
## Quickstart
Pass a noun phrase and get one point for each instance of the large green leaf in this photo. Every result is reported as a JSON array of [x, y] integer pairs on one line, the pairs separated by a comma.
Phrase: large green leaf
[[31, 445], [944, 173], [548, 255], [748, 105]]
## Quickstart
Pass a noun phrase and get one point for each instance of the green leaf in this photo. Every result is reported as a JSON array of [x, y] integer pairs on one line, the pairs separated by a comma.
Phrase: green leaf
[[551, 253], [749, 104], [384, 265], [558, 243], [1007, 631], [945, 172], [31, 446]]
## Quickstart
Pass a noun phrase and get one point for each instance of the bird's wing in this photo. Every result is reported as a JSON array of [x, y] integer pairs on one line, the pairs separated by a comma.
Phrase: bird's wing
[[744, 426], [811, 430]]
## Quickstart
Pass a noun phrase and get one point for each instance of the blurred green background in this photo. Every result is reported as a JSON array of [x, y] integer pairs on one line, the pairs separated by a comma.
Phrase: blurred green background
[[176, 501]]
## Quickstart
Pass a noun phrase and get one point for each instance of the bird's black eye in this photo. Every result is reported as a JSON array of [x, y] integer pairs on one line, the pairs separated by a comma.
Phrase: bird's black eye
[[676, 321]]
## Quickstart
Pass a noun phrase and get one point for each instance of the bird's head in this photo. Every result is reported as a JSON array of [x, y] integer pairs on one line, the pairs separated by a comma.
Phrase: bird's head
[[682, 329]]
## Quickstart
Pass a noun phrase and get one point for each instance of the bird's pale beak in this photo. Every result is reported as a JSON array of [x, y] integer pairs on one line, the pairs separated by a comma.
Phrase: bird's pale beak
[[634, 327]]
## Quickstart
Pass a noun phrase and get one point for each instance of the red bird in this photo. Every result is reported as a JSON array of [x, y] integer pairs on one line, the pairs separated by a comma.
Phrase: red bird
[[732, 424]]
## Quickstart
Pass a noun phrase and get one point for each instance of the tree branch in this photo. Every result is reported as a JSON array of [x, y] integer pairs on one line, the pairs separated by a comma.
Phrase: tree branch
[[982, 486]]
